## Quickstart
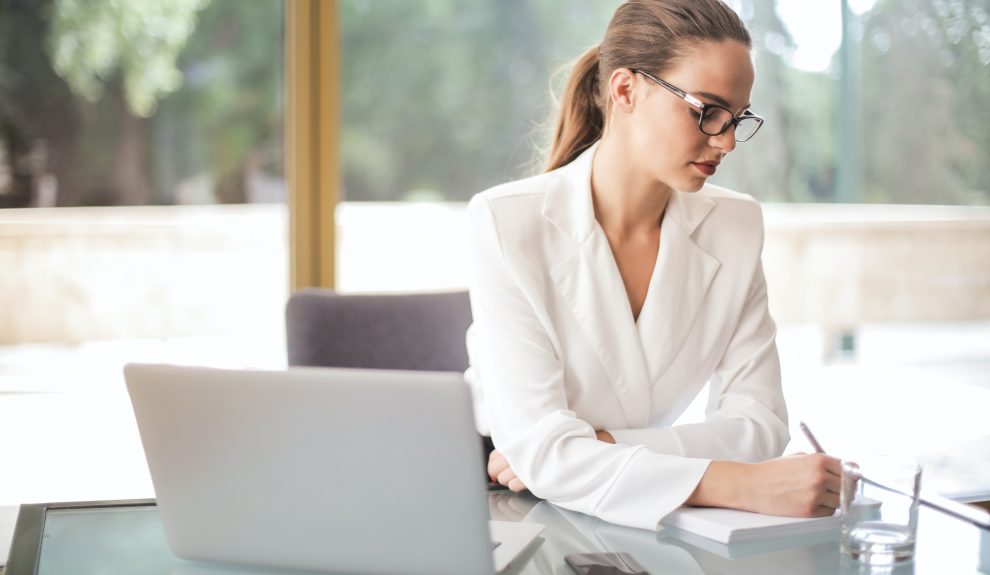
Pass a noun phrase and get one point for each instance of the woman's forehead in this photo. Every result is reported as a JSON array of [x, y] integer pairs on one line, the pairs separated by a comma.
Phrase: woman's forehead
[[720, 71]]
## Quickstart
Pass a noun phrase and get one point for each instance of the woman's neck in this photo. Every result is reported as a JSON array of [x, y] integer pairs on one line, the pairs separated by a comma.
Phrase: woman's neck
[[627, 203]]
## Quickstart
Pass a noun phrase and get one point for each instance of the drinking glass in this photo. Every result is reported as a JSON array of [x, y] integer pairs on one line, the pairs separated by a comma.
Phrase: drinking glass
[[879, 503]]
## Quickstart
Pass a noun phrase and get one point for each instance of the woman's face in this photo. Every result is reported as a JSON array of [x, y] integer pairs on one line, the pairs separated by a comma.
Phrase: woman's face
[[666, 142]]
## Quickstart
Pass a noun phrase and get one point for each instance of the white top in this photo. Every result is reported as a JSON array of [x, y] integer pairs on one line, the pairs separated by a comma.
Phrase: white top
[[556, 354]]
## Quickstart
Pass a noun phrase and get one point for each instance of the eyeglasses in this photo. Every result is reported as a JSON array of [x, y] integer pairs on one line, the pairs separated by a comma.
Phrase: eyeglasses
[[714, 120]]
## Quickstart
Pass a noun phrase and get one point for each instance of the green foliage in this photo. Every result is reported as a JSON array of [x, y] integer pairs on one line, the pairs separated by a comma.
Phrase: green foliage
[[447, 95], [440, 97], [443, 98], [453, 97], [207, 134], [90, 40], [4, 52], [228, 115], [926, 101], [770, 167]]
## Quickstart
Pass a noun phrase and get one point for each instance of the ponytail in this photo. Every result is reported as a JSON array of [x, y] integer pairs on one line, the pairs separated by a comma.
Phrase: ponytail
[[581, 120]]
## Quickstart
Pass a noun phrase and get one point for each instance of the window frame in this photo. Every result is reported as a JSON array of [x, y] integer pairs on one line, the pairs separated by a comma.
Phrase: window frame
[[312, 154]]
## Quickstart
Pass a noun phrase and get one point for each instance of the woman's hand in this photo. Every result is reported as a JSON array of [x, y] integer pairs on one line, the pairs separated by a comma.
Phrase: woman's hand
[[500, 472], [798, 485]]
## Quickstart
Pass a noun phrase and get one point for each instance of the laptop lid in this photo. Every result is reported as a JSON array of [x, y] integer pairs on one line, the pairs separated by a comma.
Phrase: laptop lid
[[323, 469]]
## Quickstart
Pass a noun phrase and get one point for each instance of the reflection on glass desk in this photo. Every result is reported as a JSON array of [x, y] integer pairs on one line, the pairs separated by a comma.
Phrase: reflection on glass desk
[[130, 540], [945, 545]]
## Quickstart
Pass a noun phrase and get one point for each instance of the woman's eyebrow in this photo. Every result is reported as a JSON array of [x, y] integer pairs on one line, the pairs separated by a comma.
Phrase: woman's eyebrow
[[720, 100]]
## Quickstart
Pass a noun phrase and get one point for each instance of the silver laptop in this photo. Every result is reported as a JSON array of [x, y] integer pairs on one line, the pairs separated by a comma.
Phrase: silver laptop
[[346, 470]]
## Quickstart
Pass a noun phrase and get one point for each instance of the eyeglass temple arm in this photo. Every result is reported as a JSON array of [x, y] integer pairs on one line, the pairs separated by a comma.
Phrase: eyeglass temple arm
[[684, 95]]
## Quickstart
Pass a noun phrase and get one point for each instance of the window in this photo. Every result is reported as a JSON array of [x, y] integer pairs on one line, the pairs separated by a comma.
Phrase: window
[[444, 99], [141, 172], [867, 102], [140, 103], [123, 128]]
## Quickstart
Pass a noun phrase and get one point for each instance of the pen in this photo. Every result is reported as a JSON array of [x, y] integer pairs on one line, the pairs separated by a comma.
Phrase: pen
[[811, 438], [947, 506]]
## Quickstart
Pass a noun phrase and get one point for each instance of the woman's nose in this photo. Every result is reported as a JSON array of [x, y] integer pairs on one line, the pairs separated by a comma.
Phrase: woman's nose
[[726, 141]]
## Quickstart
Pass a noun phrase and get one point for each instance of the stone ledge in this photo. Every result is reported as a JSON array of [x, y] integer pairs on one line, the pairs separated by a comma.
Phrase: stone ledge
[[78, 274]]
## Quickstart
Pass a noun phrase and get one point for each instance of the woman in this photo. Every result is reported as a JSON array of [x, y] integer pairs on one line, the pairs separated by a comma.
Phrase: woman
[[607, 291]]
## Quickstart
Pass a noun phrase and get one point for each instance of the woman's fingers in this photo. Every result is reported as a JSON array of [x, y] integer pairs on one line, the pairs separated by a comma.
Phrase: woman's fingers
[[516, 484], [508, 478], [823, 511], [500, 472], [831, 484], [496, 464], [833, 465], [829, 500], [833, 478]]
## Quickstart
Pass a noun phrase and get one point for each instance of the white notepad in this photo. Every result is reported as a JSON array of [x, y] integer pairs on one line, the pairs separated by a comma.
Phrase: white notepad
[[733, 526]]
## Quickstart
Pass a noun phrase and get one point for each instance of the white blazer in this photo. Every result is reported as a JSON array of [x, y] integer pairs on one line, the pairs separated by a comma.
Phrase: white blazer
[[555, 353]]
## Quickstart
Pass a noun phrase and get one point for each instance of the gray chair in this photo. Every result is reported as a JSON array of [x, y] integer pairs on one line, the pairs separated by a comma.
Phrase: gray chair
[[418, 331]]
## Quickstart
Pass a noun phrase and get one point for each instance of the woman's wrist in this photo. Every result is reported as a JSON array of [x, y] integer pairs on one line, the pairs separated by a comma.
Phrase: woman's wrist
[[722, 485]]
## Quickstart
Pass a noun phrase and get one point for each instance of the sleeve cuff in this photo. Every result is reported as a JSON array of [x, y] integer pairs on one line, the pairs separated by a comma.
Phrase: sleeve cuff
[[658, 440], [651, 486]]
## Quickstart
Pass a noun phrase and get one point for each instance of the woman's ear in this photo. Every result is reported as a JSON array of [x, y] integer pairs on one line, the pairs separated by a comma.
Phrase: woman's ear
[[621, 89]]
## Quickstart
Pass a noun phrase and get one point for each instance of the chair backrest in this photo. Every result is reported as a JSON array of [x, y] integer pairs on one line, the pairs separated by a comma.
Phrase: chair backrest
[[419, 331]]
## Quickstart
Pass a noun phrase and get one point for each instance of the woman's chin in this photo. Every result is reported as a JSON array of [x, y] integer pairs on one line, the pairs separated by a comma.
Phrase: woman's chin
[[692, 185]]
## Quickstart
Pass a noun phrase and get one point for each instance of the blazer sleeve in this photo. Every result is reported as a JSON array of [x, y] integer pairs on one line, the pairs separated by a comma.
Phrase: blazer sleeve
[[552, 451], [746, 416]]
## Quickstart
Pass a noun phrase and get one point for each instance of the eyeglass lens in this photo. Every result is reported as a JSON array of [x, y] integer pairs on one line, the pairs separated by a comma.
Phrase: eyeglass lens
[[716, 120]]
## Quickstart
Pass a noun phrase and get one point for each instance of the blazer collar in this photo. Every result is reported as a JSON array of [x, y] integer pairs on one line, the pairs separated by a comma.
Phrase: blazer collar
[[568, 203]]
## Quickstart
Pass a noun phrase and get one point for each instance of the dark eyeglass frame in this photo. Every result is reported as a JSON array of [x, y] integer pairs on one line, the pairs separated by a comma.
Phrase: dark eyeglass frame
[[704, 107]]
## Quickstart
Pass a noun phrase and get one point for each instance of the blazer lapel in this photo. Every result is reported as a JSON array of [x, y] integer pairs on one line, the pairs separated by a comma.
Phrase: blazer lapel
[[589, 283], [680, 281]]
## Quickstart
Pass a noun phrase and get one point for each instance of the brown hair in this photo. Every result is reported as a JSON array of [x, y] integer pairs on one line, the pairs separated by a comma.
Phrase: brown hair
[[651, 35]]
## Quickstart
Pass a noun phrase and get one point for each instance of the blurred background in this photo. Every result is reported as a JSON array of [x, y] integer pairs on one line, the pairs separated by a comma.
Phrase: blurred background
[[146, 215]]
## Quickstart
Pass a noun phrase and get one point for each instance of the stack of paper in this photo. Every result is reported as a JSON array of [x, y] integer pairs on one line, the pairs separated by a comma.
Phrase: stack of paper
[[732, 526]]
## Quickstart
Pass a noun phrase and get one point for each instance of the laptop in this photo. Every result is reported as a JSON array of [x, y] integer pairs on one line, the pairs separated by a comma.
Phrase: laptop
[[324, 469]]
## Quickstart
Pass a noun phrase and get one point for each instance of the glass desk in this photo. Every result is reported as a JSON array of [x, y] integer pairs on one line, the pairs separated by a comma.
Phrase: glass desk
[[127, 538]]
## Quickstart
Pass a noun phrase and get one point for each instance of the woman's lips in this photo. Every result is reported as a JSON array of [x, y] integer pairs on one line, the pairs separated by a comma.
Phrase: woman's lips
[[706, 169]]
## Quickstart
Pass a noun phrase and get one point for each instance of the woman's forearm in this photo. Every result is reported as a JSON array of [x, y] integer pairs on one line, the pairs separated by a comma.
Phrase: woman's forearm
[[720, 486], [803, 485]]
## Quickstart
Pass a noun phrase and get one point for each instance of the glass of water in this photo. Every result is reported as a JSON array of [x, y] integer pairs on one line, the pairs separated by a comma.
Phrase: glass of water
[[879, 503]]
